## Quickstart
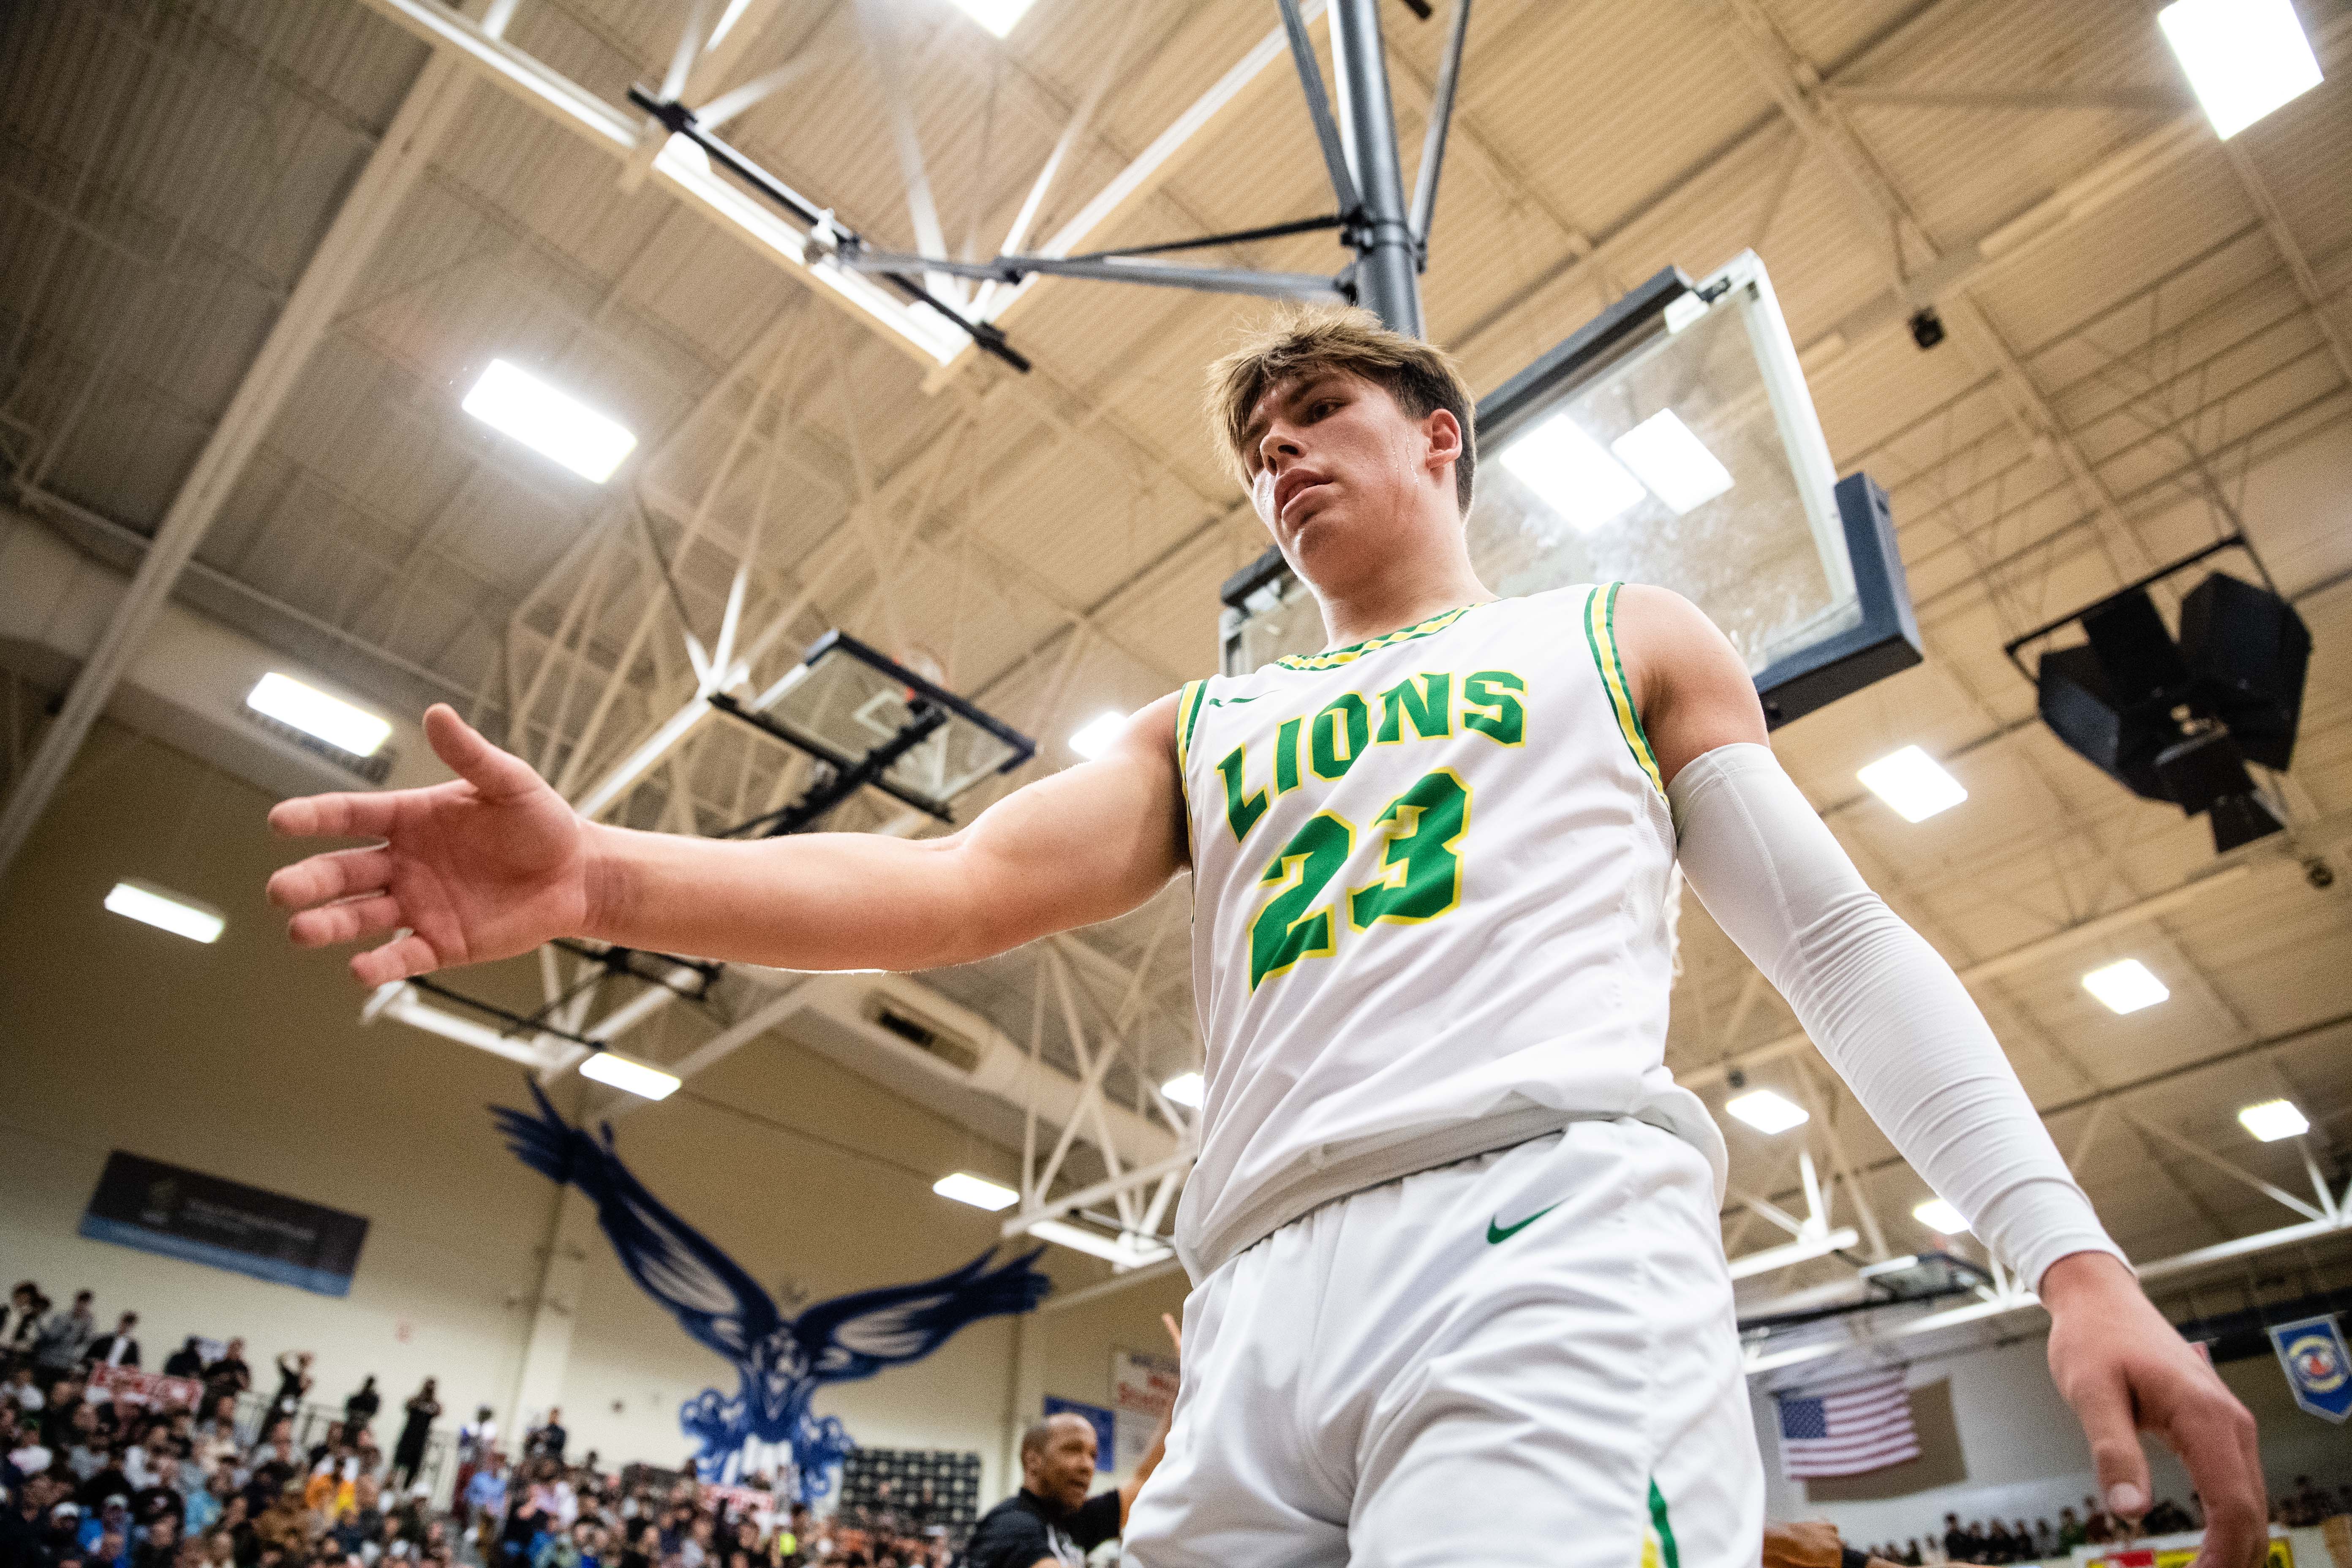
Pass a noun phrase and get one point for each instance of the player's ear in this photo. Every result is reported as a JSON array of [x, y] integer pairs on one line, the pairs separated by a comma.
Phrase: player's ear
[[1445, 433]]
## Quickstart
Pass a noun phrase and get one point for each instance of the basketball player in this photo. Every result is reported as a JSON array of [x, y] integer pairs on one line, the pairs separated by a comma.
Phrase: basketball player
[[1459, 1295]]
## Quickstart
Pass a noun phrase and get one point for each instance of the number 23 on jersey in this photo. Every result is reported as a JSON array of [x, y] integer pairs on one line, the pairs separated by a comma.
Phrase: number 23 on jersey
[[1421, 875]]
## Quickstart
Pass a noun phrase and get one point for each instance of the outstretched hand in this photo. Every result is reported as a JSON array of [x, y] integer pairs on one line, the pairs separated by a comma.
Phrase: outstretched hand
[[2126, 1370], [487, 866]]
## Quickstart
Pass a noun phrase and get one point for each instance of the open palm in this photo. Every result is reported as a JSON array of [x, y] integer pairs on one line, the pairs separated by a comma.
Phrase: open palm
[[487, 866]]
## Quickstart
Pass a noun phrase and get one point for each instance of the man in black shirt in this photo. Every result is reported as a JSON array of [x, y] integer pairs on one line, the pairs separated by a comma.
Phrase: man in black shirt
[[1051, 1521]]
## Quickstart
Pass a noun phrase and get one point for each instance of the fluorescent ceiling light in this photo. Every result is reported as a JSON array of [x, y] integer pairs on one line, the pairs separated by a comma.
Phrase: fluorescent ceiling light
[[1913, 783], [977, 1191], [2273, 1119], [1184, 1088], [2125, 987], [1666, 456], [1094, 737], [1125, 1251], [997, 16], [2243, 57], [1767, 1112], [167, 911], [1571, 474], [551, 423], [1941, 1217], [641, 1078], [331, 719]]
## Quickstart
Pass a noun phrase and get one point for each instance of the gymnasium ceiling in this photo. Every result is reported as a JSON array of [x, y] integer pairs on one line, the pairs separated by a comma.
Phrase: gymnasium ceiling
[[2149, 345]]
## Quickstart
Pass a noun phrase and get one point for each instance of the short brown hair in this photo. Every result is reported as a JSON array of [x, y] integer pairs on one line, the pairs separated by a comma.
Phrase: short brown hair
[[1422, 378]]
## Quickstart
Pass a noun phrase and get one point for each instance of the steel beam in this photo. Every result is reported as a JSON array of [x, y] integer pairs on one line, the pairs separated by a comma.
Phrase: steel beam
[[2027, 953], [617, 133], [425, 115], [1388, 253]]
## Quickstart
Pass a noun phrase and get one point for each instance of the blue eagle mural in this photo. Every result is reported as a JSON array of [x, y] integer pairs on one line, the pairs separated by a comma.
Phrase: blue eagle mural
[[766, 1424]]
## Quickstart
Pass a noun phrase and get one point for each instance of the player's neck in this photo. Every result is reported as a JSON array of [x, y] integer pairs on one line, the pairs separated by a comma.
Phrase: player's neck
[[1395, 600]]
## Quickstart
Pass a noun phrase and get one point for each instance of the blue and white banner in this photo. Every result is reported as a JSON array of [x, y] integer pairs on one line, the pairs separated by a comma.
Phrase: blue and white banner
[[2318, 1367]]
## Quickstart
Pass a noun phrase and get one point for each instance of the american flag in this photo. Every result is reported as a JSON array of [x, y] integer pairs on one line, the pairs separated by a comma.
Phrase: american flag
[[1847, 1429]]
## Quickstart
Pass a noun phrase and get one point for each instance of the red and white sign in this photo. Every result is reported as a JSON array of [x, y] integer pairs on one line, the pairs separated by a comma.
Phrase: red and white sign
[[129, 1385]]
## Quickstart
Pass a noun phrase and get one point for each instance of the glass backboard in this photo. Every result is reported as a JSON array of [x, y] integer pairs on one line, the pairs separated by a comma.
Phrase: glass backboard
[[1670, 441], [844, 700]]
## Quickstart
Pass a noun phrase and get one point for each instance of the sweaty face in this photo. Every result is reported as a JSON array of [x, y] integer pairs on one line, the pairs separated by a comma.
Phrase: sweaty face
[[1340, 474]]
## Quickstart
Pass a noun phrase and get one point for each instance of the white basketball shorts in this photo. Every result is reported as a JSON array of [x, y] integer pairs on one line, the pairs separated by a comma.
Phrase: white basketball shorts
[[1527, 1357]]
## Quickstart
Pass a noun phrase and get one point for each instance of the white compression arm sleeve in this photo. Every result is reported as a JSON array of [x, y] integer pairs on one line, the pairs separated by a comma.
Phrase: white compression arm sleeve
[[1884, 1007]]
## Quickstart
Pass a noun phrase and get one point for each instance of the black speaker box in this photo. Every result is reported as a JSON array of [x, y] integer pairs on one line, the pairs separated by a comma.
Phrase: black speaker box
[[2247, 651]]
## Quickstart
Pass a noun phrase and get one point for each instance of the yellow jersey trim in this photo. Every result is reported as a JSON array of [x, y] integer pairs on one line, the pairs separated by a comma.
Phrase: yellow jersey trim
[[1601, 635], [1354, 651]]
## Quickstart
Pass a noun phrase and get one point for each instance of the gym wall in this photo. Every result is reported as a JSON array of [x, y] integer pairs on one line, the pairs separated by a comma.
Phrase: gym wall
[[246, 1060], [2010, 1446]]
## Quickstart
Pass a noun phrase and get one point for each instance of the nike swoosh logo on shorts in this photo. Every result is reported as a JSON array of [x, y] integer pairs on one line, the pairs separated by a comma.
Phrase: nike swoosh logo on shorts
[[1497, 1233]]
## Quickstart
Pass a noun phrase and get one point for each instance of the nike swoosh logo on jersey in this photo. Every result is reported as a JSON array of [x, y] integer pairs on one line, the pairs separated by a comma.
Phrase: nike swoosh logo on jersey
[[1231, 702], [1496, 1232]]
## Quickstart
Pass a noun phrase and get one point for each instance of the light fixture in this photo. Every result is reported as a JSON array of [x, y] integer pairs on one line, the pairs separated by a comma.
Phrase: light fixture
[[1570, 473], [2273, 1119], [978, 1190], [2125, 987], [312, 712], [2243, 57], [1913, 783], [1125, 1251], [1767, 1112], [1941, 1217], [167, 911], [553, 424], [1185, 1088], [997, 16], [1666, 456], [630, 1075], [1095, 736]]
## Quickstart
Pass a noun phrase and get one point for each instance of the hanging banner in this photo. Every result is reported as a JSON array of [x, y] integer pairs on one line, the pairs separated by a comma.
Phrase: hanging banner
[[207, 1219], [2319, 1368], [1142, 1391]]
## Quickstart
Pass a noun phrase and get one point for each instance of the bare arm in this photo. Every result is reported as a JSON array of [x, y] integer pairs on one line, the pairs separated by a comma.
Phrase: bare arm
[[1133, 1486], [494, 863], [1690, 684]]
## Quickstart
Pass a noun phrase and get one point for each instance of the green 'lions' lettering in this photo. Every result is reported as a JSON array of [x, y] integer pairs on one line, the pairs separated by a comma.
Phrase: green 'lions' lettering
[[1286, 756], [1423, 700], [1289, 928], [1488, 706], [1420, 873], [1241, 811], [1340, 733]]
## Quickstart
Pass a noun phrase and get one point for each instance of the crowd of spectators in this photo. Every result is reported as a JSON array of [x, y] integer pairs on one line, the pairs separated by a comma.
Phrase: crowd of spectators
[[90, 1479], [1979, 1541], [93, 1479]]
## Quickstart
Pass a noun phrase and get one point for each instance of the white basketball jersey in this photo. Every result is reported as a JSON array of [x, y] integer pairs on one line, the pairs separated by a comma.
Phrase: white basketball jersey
[[1430, 876]]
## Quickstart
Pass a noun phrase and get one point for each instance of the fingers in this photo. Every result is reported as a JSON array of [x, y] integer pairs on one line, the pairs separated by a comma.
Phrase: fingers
[[2215, 1440], [333, 817], [1175, 1332], [347, 922], [2102, 1404], [323, 879], [497, 774], [411, 955]]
